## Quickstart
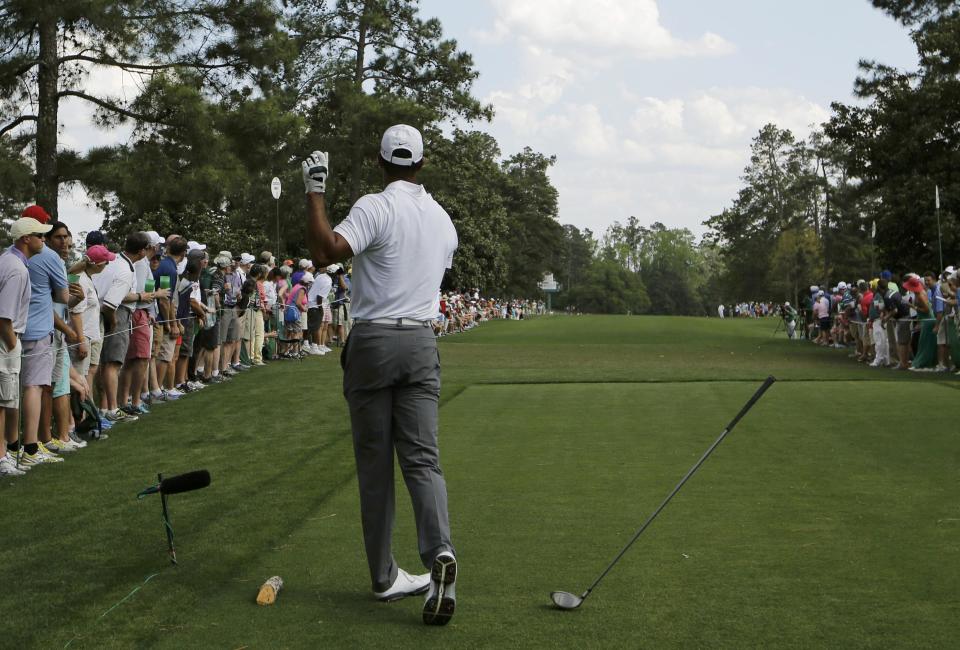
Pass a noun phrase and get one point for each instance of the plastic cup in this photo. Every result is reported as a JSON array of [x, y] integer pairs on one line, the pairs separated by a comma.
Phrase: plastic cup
[[164, 281], [150, 285], [73, 278]]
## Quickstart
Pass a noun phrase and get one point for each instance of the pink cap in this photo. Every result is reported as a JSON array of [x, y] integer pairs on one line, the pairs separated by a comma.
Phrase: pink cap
[[99, 254]]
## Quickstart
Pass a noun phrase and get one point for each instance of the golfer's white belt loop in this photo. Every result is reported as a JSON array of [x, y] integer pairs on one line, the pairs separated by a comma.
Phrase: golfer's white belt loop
[[396, 322]]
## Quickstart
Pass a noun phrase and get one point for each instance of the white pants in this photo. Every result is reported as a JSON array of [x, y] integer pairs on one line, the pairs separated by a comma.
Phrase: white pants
[[880, 344]]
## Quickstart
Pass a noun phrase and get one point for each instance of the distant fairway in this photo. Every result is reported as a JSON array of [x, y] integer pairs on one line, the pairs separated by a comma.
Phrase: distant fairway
[[827, 518]]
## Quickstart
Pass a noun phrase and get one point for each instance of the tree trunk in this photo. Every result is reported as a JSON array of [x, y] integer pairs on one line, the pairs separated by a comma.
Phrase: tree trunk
[[356, 153], [47, 181]]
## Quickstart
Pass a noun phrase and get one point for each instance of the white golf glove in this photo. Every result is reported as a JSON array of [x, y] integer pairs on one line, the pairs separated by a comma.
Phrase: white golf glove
[[315, 172]]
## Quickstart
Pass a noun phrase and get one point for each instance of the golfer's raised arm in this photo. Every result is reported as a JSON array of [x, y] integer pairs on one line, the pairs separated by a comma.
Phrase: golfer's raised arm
[[326, 246]]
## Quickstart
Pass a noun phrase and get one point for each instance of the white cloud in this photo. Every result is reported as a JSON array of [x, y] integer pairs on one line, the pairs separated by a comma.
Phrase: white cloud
[[622, 26]]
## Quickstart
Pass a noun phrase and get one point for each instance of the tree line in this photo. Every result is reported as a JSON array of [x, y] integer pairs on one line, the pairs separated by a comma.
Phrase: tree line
[[859, 194]]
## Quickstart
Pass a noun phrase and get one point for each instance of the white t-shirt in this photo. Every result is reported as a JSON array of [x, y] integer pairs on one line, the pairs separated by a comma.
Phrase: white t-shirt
[[141, 271], [114, 282], [89, 309], [402, 242], [320, 288]]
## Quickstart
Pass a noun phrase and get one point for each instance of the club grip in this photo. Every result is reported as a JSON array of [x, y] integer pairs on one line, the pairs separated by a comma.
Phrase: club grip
[[185, 482], [753, 400]]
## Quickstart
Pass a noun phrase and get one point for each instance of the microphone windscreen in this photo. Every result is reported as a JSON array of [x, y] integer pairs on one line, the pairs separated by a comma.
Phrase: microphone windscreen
[[185, 482]]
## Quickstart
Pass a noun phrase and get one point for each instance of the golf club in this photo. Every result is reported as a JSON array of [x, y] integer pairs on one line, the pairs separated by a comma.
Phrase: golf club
[[567, 600]]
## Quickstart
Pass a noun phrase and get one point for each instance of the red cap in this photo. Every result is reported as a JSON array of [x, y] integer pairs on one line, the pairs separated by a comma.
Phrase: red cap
[[99, 254], [35, 212]]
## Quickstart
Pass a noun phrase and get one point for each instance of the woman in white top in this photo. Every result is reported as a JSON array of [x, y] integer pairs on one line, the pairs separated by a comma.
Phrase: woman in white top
[[85, 357]]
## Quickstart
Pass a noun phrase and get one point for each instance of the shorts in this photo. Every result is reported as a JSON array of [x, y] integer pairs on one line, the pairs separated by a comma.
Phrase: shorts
[[36, 363], [82, 366], [327, 314], [10, 375], [903, 332], [186, 344], [116, 341], [95, 348], [825, 324], [61, 368], [293, 327], [336, 315], [167, 347], [229, 326], [314, 319], [942, 332], [140, 335], [303, 320], [209, 338]]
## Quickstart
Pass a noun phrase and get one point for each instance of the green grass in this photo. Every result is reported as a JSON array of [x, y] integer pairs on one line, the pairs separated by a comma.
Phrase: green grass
[[829, 517]]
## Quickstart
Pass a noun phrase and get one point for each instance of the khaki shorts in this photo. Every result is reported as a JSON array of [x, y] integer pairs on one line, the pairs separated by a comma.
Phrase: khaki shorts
[[942, 332], [10, 375], [82, 366], [95, 348]]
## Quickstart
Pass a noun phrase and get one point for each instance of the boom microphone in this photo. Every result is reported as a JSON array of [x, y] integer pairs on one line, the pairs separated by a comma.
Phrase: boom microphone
[[185, 482]]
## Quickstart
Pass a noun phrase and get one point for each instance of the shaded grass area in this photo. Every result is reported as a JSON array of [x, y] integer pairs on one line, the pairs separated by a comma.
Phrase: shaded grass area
[[801, 530]]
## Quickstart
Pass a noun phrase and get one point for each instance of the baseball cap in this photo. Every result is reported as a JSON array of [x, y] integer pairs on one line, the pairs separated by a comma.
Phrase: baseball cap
[[305, 264], [155, 238], [842, 286], [35, 212], [307, 278], [402, 145], [333, 268], [194, 246], [226, 254], [28, 226], [223, 261], [246, 258], [99, 254], [886, 275]]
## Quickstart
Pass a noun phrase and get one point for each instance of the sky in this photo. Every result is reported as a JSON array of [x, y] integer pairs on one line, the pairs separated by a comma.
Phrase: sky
[[648, 105]]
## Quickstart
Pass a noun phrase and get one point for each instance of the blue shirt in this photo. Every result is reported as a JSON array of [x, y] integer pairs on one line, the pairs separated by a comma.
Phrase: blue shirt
[[47, 275], [936, 299]]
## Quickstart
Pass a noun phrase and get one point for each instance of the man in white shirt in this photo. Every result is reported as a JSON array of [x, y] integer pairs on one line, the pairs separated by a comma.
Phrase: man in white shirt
[[402, 241]]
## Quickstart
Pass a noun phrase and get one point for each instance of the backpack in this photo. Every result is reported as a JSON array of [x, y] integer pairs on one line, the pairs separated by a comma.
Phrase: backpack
[[292, 313]]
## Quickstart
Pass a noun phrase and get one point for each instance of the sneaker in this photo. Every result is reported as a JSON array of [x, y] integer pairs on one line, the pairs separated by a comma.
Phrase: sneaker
[[77, 440], [119, 416], [143, 409], [12, 458], [156, 397], [196, 385], [229, 372], [325, 349], [60, 447], [129, 409], [442, 598], [9, 467], [405, 585], [42, 456], [241, 366], [172, 395], [186, 388], [259, 363]]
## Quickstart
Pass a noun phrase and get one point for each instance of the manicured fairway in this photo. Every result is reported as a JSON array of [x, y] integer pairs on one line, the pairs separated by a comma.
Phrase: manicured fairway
[[829, 517]]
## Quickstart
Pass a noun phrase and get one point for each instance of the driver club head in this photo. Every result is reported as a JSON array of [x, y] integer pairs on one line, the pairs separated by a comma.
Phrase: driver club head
[[565, 600]]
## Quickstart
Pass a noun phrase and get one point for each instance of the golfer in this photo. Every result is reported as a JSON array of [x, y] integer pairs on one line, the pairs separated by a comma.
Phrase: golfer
[[402, 241]]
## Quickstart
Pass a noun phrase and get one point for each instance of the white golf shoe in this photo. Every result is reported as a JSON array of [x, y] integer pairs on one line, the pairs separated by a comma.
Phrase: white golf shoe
[[405, 585], [442, 598]]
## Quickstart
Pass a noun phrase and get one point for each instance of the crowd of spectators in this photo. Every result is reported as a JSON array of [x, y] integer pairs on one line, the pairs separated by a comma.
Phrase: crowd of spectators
[[905, 323], [91, 338]]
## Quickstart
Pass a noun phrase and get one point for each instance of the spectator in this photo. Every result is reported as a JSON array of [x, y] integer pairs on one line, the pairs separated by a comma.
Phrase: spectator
[[15, 299], [925, 357]]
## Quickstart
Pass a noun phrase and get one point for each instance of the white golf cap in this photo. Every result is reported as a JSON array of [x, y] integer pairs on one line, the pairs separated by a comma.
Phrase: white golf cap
[[402, 145], [307, 278], [246, 258], [155, 238], [305, 264], [842, 286], [27, 226], [333, 268], [194, 246]]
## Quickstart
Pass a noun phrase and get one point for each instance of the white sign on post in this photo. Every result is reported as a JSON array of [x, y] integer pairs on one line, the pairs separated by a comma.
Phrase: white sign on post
[[275, 187]]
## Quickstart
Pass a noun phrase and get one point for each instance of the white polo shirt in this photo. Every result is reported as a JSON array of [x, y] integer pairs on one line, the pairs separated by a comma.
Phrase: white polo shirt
[[402, 242], [319, 289], [114, 283]]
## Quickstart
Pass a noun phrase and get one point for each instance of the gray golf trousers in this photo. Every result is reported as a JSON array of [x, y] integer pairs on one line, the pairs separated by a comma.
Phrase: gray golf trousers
[[391, 380]]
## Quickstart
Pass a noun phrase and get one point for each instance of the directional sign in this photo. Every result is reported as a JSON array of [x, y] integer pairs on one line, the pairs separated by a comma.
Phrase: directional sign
[[275, 187]]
